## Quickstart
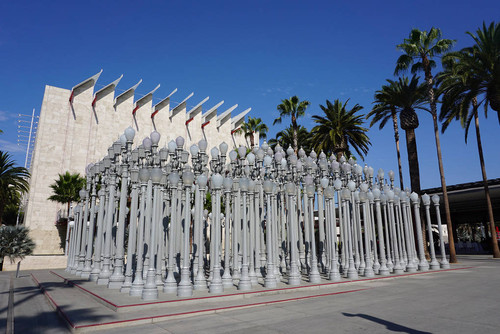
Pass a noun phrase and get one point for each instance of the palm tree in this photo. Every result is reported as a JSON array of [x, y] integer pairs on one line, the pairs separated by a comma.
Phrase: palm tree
[[294, 108], [13, 181], [382, 112], [419, 49], [339, 130], [404, 97], [485, 69], [15, 243], [285, 138], [460, 88], [66, 189], [254, 125]]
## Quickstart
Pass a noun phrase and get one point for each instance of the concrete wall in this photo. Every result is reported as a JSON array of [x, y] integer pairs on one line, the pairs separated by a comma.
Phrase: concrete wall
[[73, 134]]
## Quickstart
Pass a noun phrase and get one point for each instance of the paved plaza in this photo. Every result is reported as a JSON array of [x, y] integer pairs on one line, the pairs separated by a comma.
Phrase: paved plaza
[[462, 300]]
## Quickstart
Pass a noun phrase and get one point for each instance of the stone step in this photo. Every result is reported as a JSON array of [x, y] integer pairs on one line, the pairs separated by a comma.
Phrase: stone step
[[87, 306], [122, 302]]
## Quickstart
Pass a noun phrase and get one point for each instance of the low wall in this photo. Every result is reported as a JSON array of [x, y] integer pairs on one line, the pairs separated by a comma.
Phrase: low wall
[[37, 262]]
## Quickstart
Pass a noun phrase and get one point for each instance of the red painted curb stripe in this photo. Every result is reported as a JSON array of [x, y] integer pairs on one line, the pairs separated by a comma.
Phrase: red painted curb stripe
[[58, 309], [82, 288]]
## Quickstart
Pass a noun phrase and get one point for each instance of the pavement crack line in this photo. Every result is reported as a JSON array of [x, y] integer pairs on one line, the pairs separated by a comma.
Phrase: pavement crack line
[[10, 310]]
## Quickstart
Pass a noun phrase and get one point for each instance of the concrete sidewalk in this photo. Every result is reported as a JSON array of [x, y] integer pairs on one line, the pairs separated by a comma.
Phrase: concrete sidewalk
[[458, 301]]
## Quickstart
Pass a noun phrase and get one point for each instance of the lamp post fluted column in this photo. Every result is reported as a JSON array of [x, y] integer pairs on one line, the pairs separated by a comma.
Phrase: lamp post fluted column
[[270, 279], [90, 237], [423, 264], [150, 290], [200, 282], [244, 283], [314, 276], [132, 232], [444, 261], [216, 283], [117, 278], [138, 283], [331, 221], [426, 200], [227, 280], [170, 284], [84, 195], [383, 270], [106, 263], [294, 275], [398, 269], [185, 288]]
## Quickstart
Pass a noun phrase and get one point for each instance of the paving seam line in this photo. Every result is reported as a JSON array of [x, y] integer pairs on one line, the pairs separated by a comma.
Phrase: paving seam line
[[10, 308]]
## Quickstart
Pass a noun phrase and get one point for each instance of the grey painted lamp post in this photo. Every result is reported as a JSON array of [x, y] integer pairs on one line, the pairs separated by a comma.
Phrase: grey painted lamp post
[[368, 271], [383, 270], [200, 281], [314, 276], [105, 270], [216, 283], [423, 265], [83, 231], [398, 269], [270, 279], [117, 278], [244, 283], [138, 283], [334, 274], [185, 288], [170, 285], [150, 290], [294, 276], [444, 261], [90, 237], [426, 200], [227, 280], [132, 234]]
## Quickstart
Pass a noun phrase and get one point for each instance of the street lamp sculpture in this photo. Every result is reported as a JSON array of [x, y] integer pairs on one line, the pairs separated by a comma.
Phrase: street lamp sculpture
[[267, 234]]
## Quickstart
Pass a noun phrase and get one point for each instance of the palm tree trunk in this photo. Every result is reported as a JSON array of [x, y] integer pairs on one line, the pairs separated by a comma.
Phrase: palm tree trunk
[[295, 136], [411, 147], [2, 208], [432, 102], [396, 138], [252, 140], [494, 243]]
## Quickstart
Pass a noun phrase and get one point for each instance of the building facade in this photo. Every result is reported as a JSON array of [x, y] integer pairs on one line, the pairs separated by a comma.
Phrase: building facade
[[77, 126]]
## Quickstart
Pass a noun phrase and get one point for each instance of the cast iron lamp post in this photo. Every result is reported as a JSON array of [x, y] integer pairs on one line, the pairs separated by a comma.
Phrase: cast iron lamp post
[[117, 278], [244, 283], [150, 290], [426, 200], [216, 283], [444, 261], [185, 288]]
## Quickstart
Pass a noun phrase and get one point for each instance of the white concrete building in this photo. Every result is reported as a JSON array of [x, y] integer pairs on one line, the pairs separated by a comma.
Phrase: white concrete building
[[77, 125]]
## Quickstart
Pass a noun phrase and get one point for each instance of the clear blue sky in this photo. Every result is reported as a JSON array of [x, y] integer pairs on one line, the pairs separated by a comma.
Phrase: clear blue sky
[[251, 53]]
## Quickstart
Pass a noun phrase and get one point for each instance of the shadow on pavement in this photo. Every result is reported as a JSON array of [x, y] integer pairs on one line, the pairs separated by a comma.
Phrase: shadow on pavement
[[389, 325]]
